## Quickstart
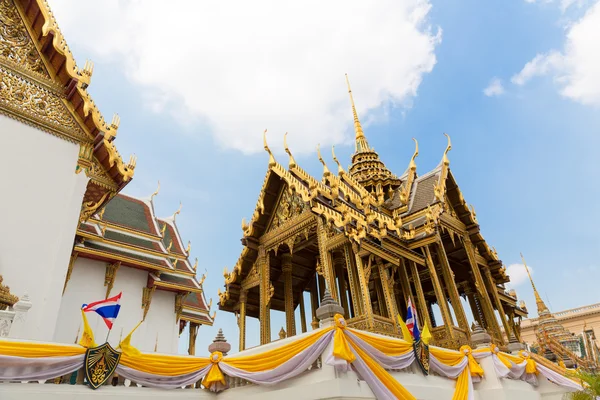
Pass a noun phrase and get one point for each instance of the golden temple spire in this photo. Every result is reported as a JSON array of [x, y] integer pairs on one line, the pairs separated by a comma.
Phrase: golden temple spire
[[538, 300], [361, 140]]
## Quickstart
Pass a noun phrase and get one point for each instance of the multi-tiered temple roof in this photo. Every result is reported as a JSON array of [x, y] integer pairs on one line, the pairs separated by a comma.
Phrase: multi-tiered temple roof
[[367, 212], [127, 231]]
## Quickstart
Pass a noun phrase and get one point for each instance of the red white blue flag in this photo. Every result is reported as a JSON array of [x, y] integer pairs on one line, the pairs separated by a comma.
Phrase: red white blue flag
[[411, 322], [108, 309]]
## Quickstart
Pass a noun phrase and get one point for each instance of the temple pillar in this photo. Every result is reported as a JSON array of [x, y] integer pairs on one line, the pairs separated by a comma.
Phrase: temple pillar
[[364, 287], [353, 280], [242, 319], [448, 274], [314, 304], [290, 321], [439, 294], [192, 339], [486, 304], [405, 285], [421, 304], [387, 293], [494, 290], [325, 259], [265, 295], [338, 263], [431, 316], [302, 312], [475, 308]]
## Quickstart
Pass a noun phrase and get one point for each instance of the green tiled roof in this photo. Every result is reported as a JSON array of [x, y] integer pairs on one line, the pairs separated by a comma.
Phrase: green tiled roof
[[127, 212], [177, 279], [95, 246], [136, 241]]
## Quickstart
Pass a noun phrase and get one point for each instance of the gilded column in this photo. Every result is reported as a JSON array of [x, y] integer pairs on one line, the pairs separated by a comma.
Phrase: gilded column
[[314, 304], [192, 340], [242, 319], [338, 263], [459, 311], [439, 294], [476, 309], [265, 296], [482, 294], [353, 280], [387, 292], [494, 290], [290, 323], [405, 284], [421, 304], [302, 312], [364, 287], [324, 258]]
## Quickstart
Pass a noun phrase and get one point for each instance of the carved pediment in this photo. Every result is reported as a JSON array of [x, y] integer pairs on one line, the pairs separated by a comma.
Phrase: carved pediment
[[290, 205]]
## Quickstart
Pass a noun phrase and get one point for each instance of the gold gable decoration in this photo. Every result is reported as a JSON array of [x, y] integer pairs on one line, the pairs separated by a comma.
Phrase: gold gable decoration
[[290, 206]]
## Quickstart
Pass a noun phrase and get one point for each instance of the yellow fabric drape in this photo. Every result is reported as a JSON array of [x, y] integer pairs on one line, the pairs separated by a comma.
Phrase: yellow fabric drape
[[474, 366], [273, 358], [447, 357], [461, 392], [388, 380], [388, 346], [35, 350], [126, 346], [405, 332], [341, 348], [87, 338], [214, 374], [162, 364], [531, 366]]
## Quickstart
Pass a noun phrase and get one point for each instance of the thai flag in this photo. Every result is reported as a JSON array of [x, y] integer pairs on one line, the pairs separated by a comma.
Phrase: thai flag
[[108, 309], [411, 322]]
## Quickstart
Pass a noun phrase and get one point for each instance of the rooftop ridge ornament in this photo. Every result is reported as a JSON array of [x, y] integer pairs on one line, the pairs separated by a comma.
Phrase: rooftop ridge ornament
[[340, 168], [155, 192], [361, 140], [413, 164], [272, 161], [445, 159], [178, 211], [326, 171], [292, 162], [541, 306]]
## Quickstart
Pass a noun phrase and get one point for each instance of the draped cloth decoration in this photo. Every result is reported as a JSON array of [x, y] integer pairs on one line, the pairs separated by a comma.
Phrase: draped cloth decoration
[[459, 365], [29, 361]]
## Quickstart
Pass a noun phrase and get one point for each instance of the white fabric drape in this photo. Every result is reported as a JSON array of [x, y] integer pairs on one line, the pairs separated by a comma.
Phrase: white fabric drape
[[380, 391], [499, 367], [294, 366], [452, 372], [387, 362], [38, 368], [557, 378], [161, 381]]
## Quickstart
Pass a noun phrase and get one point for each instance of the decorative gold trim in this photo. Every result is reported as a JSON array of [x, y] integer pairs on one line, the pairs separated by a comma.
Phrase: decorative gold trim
[[147, 293], [74, 255], [110, 275]]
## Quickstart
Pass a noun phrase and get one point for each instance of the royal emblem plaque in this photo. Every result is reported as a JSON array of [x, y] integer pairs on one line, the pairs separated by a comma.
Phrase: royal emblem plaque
[[422, 355], [100, 363]]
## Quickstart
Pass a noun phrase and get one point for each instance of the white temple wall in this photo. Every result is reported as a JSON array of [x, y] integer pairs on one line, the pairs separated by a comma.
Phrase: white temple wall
[[87, 285], [160, 323], [39, 218]]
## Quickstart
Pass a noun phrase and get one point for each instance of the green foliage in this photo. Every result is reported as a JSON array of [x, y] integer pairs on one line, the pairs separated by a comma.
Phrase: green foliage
[[591, 382]]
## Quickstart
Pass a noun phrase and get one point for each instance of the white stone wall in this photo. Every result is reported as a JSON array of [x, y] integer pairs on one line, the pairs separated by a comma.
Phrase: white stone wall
[[87, 285], [39, 209]]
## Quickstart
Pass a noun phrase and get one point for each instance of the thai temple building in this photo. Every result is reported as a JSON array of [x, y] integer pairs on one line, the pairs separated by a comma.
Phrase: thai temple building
[[557, 343], [93, 241], [375, 239], [361, 243]]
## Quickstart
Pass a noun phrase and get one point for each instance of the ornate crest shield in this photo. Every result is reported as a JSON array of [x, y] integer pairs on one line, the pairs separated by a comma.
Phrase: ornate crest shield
[[422, 355], [100, 363]]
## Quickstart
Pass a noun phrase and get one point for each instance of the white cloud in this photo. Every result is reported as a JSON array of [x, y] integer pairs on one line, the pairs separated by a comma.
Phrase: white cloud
[[518, 274], [253, 65], [495, 88], [576, 69]]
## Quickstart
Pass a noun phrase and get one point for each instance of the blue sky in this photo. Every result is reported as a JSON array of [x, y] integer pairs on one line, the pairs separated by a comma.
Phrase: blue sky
[[524, 153]]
